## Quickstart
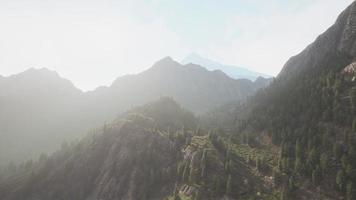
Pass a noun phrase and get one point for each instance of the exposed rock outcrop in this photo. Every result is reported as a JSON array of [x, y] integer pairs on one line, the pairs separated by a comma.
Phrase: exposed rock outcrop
[[337, 46]]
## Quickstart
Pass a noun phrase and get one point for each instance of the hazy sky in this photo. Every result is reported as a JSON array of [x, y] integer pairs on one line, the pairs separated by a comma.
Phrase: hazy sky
[[92, 42]]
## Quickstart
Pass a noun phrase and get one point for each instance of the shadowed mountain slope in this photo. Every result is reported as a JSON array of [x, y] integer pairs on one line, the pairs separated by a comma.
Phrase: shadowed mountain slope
[[151, 152], [40, 110]]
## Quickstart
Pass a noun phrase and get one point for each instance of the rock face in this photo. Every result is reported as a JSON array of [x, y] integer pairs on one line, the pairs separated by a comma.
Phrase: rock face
[[347, 42], [336, 45], [350, 69]]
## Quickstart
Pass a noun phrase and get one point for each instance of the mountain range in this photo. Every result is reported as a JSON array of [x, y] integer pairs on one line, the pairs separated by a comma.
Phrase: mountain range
[[294, 139], [232, 71], [40, 109]]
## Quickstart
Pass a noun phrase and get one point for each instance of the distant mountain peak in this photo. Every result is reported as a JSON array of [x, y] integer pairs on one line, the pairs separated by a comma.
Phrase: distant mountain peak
[[195, 58], [41, 69], [38, 72], [38, 79], [230, 70], [165, 60]]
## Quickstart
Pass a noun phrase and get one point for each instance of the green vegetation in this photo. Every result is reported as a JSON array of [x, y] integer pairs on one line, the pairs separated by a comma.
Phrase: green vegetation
[[295, 139]]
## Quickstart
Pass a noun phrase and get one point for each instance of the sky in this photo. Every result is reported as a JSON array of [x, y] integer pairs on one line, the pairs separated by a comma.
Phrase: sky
[[92, 42]]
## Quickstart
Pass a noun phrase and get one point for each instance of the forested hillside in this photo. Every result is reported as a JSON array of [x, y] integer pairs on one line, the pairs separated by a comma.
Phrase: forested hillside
[[308, 113], [295, 139], [156, 151]]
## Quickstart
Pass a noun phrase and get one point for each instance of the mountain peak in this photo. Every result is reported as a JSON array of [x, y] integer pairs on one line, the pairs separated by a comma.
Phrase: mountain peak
[[165, 60], [31, 72], [39, 79], [164, 64], [230, 70], [195, 58]]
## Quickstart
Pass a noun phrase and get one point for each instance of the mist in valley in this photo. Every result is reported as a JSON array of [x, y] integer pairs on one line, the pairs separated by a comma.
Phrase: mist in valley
[[178, 100]]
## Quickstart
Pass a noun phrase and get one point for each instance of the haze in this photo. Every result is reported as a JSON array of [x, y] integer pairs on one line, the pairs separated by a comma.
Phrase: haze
[[93, 42]]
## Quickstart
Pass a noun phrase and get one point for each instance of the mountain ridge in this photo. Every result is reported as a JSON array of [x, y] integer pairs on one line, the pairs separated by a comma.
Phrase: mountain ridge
[[232, 71], [44, 102], [308, 114], [337, 41]]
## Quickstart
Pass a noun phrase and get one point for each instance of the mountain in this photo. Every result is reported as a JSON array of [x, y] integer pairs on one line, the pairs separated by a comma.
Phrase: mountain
[[295, 139], [152, 152], [191, 85], [308, 115], [232, 71], [42, 80], [336, 46], [40, 109], [35, 107]]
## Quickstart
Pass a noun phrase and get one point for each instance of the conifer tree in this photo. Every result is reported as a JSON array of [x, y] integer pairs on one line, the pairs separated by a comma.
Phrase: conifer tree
[[228, 185], [350, 191], [340, 180]]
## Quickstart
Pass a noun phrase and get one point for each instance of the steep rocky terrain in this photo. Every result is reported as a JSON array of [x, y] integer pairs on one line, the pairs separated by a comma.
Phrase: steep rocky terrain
[[335, 47]]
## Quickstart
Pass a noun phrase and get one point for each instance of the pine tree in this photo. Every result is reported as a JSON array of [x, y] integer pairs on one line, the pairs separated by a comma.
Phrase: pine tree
[[180, 169], [291, 183], [313, 157], [354, 126], [203, 172], [203, 163], [298, 150], [197, 195], [324, 162], [298, 165], [176, 192], [192, 177], [217, 184], [350, 191], [185, 172], [337, 151], [340, 180], [228, 185], [316, 176], [353, 100]]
